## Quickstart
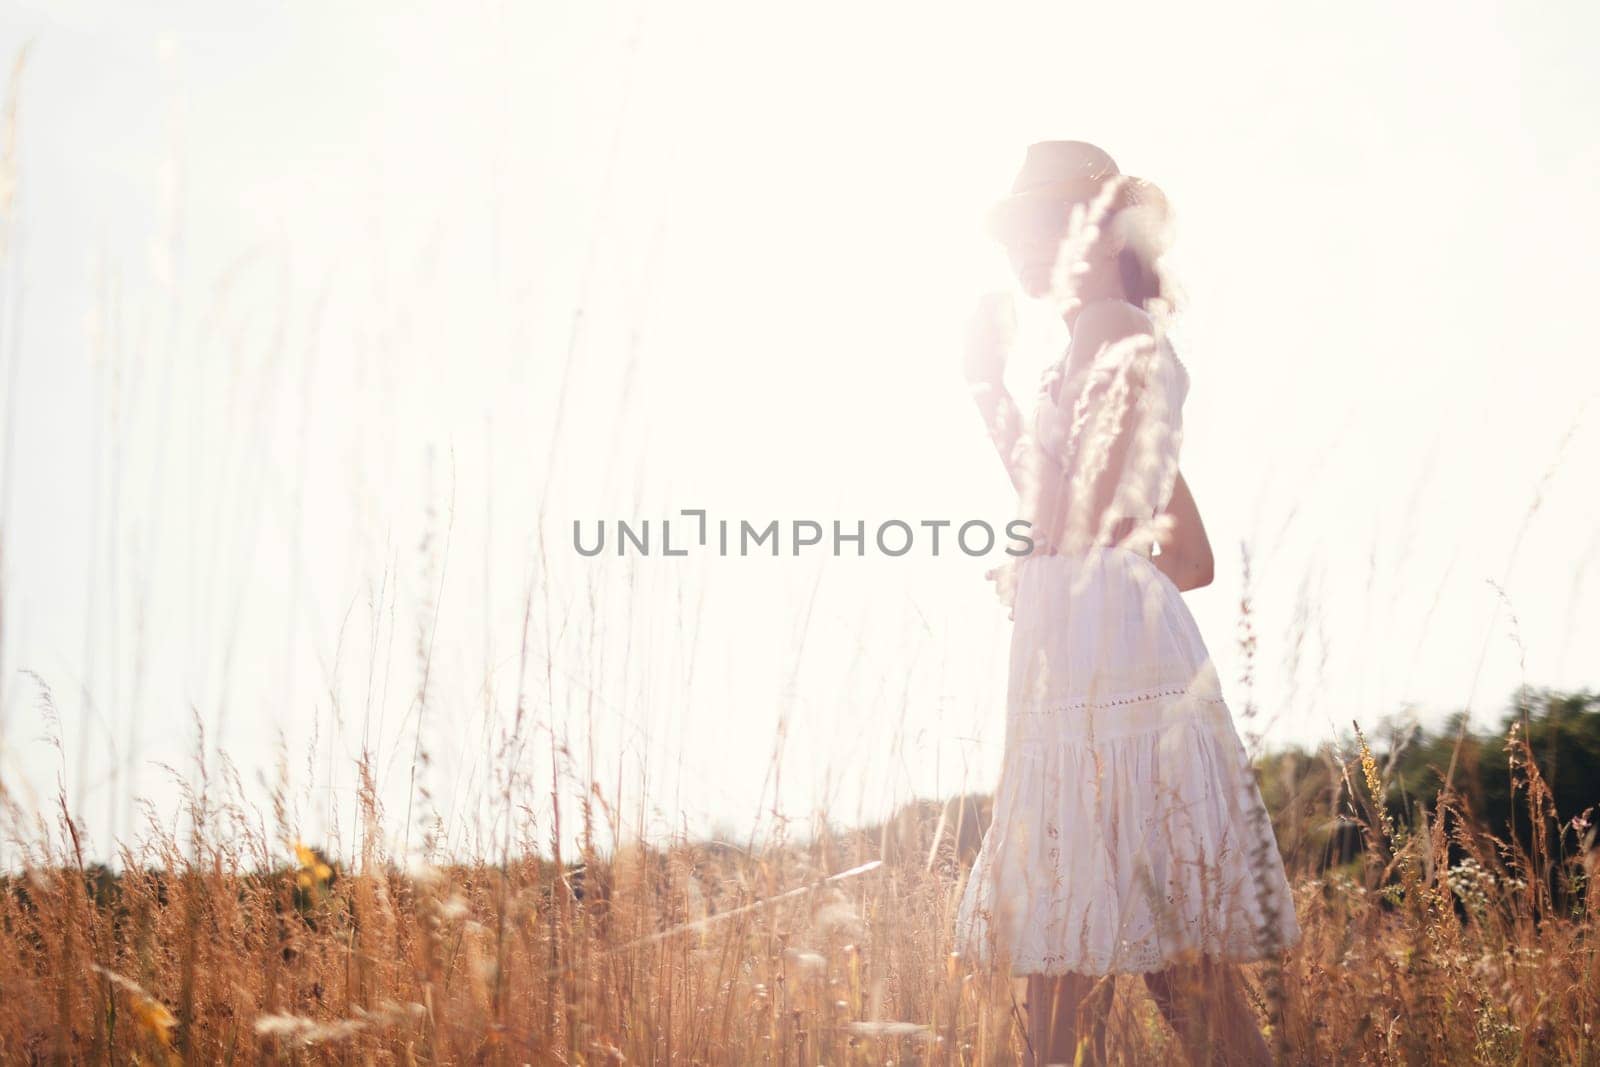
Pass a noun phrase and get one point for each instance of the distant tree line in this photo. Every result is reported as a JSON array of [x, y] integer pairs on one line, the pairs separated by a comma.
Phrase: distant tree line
[[1532, 782]]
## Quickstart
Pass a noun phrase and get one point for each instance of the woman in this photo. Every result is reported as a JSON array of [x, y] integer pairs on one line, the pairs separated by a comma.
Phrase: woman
[[1128, 833]]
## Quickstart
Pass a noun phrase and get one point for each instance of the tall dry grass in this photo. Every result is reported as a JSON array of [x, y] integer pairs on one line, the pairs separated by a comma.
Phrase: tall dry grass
[[1440, 940]]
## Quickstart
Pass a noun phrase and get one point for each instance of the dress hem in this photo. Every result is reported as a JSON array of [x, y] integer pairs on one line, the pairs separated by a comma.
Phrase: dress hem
[[1224, 959], [1153, 966]]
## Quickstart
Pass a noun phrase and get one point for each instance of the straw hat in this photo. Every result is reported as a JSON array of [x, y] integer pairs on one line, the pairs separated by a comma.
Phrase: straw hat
[[1055, 175]]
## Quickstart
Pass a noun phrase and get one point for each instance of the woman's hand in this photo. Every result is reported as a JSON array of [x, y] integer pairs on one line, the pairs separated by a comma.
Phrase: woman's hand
[[1004, 578]]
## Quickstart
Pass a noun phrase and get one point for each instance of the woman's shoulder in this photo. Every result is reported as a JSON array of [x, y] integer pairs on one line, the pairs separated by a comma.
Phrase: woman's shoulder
[[1112, 319], [1107, 334], [1115, 339]]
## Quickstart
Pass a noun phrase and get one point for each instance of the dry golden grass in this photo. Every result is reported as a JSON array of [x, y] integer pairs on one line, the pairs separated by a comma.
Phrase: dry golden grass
[[1439, 943]]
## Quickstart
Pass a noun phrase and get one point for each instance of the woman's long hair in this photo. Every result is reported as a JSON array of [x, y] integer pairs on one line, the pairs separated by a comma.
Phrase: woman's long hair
[[1145, 229], [1112, 398]]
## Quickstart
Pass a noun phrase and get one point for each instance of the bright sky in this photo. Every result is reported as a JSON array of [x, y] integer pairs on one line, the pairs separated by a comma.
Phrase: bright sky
[[290, 296]]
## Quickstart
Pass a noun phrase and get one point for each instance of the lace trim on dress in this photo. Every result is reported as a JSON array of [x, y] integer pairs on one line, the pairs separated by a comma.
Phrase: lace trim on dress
[[1128, 714], [1110, 702]]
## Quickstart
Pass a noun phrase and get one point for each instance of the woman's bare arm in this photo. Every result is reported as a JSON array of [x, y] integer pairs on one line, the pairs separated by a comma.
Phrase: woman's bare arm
[[1004, 421], [987, 343], [1185, 551]]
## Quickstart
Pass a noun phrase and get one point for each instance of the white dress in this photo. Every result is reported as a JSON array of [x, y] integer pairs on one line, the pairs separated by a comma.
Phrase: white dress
[[1128, 832]]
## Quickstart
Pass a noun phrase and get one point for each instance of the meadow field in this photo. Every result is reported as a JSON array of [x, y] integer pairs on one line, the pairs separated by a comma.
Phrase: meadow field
[[318, 745], [1443, 924]]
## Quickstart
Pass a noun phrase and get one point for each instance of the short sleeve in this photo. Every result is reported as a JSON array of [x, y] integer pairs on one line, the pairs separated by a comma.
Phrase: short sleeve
[[1123, 378], [1164, 429], [1115, 353], [1177, 381]]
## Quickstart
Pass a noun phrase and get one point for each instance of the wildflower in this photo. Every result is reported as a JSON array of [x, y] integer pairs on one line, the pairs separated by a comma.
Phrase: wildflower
[[152, 1016], [313, 872]]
